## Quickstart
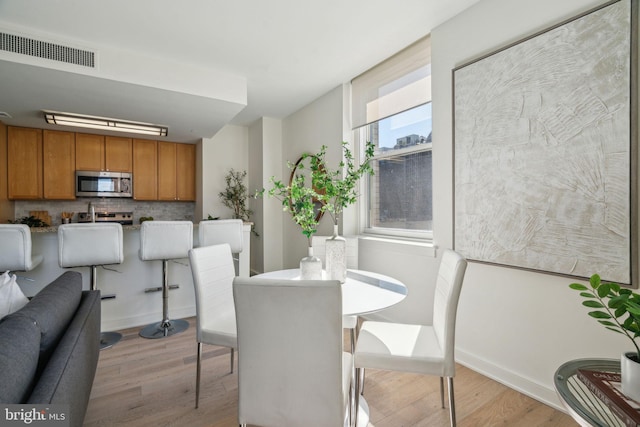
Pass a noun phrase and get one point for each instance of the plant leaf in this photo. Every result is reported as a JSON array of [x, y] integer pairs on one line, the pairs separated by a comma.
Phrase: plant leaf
[[578, 287], [599, 315], [592, 304]]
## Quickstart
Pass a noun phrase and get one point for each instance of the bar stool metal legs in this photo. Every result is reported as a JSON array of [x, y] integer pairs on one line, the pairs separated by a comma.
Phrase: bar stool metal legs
[[165, 327], [107, 339]]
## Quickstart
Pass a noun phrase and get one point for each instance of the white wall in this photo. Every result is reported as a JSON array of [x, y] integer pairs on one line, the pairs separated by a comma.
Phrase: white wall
[[265, 141], [513, 325], [228, 149]]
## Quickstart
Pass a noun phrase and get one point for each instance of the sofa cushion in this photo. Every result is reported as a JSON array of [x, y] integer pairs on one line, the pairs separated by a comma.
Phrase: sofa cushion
[[52, 308], [19, 345]]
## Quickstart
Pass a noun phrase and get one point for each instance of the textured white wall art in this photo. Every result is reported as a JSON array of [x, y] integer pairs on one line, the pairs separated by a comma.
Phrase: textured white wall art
[[543, 150]]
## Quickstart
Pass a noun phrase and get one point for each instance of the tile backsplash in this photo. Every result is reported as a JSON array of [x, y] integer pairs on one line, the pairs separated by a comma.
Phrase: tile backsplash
[[163, 211]]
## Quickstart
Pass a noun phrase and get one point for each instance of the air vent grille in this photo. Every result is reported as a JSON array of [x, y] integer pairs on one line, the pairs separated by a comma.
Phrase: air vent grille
[[46, 50]]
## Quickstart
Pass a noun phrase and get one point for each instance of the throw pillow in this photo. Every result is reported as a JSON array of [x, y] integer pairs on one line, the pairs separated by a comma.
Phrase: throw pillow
[[11, 296]]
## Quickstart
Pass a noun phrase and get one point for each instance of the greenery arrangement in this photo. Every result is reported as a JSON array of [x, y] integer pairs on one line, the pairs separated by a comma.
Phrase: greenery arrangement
[[329, 190], [338, 188], [235, 195], [617, 308], [298, 199]]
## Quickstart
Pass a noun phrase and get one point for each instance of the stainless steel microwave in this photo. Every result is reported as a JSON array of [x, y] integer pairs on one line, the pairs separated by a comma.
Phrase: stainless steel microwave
[[103, 184]]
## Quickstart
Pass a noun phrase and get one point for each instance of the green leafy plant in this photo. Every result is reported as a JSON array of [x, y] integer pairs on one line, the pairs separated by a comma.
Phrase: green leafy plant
[[298, 199], [31, 221], [235, 195], [616, 308], [338, 188]]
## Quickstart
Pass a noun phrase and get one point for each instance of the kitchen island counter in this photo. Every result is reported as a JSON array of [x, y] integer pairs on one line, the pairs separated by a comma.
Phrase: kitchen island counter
[[132, 306]]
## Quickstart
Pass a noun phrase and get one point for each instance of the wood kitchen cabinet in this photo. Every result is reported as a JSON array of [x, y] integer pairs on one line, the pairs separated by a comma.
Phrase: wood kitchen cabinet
[[59, 165], [24, 165], [145, 169], [103, 153], [176, 171]]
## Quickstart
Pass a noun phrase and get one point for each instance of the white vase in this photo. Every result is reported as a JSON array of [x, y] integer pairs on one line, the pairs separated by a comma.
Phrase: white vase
[[311, 266], [336, 256], [630, 375]]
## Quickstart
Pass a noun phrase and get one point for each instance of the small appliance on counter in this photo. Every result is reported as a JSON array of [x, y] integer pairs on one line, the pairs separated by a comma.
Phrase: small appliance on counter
[[124, 218]]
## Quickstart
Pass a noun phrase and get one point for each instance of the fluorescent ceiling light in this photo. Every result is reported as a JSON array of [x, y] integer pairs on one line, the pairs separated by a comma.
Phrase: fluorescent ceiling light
[[103, 123]]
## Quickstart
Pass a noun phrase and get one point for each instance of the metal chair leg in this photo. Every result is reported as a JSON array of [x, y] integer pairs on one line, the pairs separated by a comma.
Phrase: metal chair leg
[[452, 403], [442, 391], [232, 352], [198, 362]]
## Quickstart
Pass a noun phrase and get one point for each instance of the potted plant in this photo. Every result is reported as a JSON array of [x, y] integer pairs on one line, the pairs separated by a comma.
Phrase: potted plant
[[618, 310], [235, 197], [300, 200], [337, 189]]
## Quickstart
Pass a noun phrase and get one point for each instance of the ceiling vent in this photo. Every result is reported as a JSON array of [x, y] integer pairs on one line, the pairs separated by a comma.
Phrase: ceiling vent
[[46, 50]]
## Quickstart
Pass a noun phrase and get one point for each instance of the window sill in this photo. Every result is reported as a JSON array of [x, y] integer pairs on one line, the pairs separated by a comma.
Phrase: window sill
[[400, 243]]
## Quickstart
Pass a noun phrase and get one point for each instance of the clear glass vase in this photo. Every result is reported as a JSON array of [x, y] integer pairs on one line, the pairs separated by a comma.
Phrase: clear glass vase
[[311, 267], [336, 256]]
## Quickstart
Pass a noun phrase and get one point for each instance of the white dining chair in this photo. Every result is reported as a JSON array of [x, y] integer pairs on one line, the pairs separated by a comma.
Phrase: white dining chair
[[423, 349], [213, 272], [291, 367]]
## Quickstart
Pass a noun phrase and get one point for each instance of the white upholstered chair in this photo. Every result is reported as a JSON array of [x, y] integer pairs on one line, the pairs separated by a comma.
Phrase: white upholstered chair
[[423, 349], [15, 248], [91, 245], [319, 250], [213, 272], [291, 367], [165, 241]]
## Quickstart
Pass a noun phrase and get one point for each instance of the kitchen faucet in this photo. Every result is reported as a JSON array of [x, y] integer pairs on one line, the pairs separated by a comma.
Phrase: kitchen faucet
[[91, 211]]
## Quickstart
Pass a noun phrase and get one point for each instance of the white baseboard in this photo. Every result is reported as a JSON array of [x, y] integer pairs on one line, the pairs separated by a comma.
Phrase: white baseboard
[[513, 380], [146, 319]]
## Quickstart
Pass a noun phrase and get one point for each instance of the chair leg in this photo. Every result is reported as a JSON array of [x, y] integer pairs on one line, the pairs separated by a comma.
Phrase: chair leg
[[232, 352], [356, 401], [452, 403], [361, 391], [198, 361], [442, 391], [352, 336]]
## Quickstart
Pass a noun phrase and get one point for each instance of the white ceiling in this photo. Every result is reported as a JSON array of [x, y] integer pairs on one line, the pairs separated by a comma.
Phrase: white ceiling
[[193, 65]]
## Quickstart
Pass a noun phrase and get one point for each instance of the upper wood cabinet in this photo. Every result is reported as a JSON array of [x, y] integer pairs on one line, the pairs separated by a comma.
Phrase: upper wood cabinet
[[145, 169], [185, 171], [176, 171], [103, 153], [24, 163], [59, 165]]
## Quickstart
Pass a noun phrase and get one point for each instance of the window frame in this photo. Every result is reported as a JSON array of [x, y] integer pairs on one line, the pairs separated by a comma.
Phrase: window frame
[[361, 136]]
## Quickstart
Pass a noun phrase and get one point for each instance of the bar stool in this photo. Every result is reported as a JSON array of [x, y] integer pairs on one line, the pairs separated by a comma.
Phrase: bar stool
[[216, 232], [15, 248], [91, 245], [164, 241]]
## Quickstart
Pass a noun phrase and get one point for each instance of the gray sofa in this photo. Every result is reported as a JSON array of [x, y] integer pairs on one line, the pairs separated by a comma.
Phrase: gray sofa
[[49, 349]]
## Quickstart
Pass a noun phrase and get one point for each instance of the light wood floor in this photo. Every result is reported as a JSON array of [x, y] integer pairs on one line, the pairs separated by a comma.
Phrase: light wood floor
[[143, 382]]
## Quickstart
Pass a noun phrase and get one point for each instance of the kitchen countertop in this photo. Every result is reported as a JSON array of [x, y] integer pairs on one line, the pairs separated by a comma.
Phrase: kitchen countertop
[[54, 228]]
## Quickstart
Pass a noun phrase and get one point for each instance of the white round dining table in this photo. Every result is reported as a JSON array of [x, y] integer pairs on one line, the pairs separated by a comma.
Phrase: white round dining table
[[363, 292]]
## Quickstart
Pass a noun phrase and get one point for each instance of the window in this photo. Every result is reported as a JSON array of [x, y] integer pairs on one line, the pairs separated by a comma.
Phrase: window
[[392, 109]]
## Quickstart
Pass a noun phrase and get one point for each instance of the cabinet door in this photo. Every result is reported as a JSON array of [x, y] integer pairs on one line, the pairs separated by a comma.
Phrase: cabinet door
[[118, 154], [185, 172], [145, 170], [59, 165], [24, 168], [89, 152], [166, 171]]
